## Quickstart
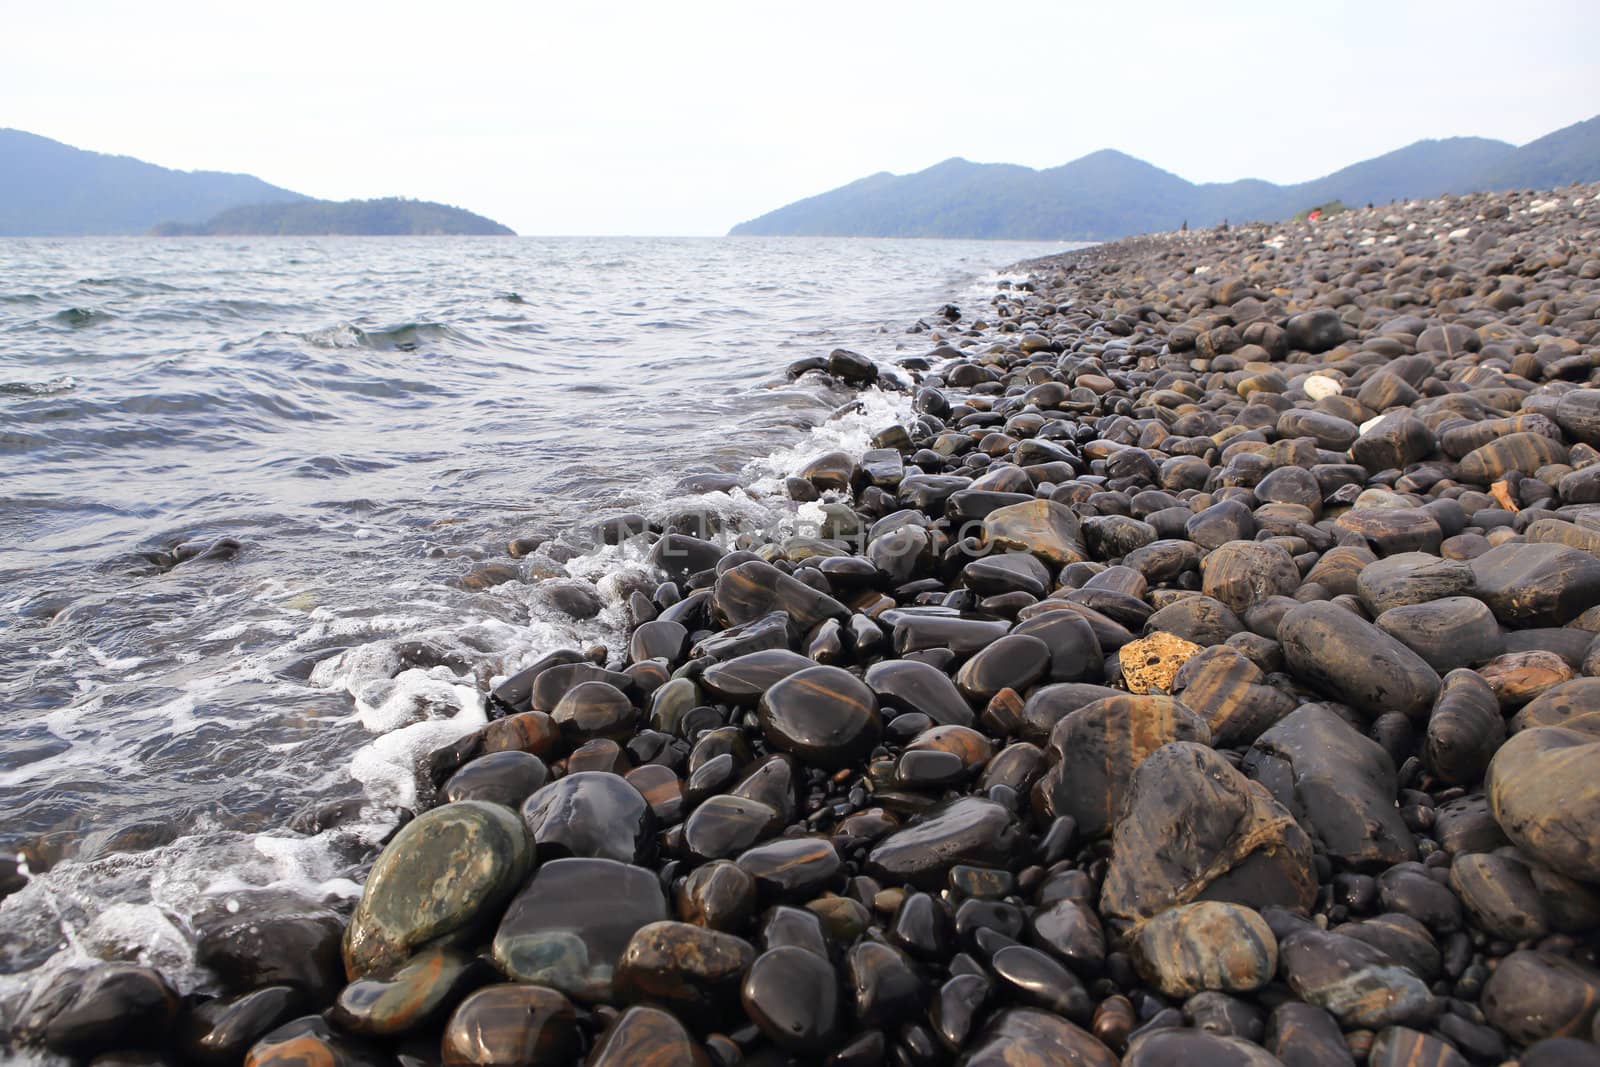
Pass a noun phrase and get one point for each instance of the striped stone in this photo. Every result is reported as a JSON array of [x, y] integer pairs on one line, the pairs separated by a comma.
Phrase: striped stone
[[1207, 945], [1525, 452], [1096, 749]]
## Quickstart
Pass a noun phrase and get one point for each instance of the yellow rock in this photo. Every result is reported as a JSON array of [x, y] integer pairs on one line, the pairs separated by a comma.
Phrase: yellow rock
[[1150, 663]]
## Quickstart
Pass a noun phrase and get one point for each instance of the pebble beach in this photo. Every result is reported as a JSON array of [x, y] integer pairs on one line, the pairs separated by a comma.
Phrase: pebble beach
[[1204, 669]]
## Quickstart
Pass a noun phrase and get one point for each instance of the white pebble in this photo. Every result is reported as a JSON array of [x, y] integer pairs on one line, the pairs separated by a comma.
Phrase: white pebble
[[1320, 385]]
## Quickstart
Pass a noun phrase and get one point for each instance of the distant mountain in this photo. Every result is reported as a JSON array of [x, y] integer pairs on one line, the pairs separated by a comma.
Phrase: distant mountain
[[390, 216], [1417, 171], [51, 189], [961, 199], [1569, 154], [1108, 194]]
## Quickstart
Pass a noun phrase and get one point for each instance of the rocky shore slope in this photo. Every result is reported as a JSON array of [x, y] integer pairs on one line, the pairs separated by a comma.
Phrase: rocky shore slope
[[1205, 672]]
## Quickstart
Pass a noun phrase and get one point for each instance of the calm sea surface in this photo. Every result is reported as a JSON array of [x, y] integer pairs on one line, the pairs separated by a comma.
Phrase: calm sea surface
[[241, 482]]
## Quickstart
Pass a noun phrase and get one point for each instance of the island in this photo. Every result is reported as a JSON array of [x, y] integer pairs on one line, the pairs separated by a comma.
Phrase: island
[[385, 217]]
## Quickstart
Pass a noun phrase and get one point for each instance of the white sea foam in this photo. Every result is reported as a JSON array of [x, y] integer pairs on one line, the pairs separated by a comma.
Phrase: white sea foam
[[155, 894], [387, 767], [384, 705], [852, 432]]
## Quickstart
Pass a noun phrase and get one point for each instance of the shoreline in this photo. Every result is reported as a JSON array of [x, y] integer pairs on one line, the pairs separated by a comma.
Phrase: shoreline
[[932, 809]]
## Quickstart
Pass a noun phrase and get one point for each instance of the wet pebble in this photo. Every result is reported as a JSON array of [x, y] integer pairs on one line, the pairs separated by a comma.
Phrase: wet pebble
[[824, 715], [1535, 995], [568, 927], [416, 995], [1241, 574], [725, 826], [719, 895], [1536, 584], [791, 868], [510, 1026], [590, 813], [1029, 1037], [1032, 977], [907, 685], [219, 1032], [1360, 985], [1401, 1046], [1192, 824], [1096, 749], [957, 1007], [1541, 788], [1465, 729], [1171, 1046], [885, 984], [109, 1007], [644, 1036], [1208, 945], [793, 996], [1070, 931], [1306, 1036], [968, 830], [1339, 784], [1048, 530], [1015, 661], [689, 968], [447, 870], [506, 778], [1343, 655], [310, 1040], [261, 946], [743, 679]]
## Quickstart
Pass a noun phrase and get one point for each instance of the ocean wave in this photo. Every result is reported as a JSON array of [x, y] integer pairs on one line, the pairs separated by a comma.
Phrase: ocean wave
[[399, 337], [81, 317], [62, 384]]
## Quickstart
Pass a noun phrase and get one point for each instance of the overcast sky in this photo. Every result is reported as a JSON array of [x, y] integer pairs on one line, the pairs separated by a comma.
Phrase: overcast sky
[[686, 117]]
